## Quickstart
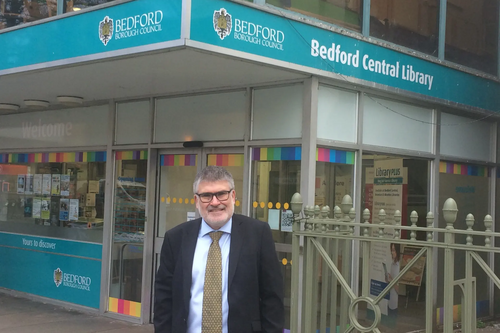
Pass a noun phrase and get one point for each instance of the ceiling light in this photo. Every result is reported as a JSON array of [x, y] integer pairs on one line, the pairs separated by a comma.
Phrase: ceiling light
[[9, 107], [36, 104], [70, 100]]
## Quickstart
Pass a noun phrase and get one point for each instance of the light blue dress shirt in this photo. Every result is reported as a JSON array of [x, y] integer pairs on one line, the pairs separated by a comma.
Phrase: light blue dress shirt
[[198, 272]]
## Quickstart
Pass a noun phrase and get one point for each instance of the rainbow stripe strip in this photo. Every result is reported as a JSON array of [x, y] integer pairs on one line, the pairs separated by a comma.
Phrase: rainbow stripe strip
[[334, 156], [122, 306], [131, 155], [463, 169], [226, 160], [482, 309], [178, 160], [95, 156], [277, 154]]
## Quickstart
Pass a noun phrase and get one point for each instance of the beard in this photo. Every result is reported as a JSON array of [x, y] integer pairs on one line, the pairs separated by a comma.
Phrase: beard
[[217, 216]]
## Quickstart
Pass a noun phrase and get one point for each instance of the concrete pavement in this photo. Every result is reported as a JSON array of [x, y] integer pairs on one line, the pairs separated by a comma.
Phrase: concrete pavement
[[23, 315]]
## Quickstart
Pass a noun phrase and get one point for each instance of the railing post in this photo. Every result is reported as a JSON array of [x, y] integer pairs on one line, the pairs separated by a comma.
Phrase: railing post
[[295, 313], [346, 206], [337, 214], [366, 255], [325, 273], [469, 306], [429, 278], [450, 215]]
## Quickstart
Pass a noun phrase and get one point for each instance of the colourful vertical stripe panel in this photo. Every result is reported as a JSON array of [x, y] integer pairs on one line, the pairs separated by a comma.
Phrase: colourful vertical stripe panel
[[125, 307], [277, 154], [225, 160], [132, 155], [178, 160], [98, 156], [334, 156], [463, 169]]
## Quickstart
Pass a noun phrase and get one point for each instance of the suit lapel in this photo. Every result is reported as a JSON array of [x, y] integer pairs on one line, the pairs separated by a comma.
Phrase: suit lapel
[[190, 238], [236, 243]]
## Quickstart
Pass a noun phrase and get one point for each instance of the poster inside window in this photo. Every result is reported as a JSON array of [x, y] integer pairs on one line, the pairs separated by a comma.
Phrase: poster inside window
[[53, 194]]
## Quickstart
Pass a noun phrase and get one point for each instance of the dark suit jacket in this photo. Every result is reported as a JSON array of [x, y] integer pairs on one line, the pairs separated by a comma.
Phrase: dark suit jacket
[[255, 282]]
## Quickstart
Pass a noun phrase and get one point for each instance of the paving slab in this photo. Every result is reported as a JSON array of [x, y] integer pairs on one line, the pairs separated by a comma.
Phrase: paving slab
[[24, 315]]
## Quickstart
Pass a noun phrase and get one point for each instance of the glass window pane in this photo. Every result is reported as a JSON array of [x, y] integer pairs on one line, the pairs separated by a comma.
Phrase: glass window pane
[[129, 220], [469, 186], [333, 180], [16, 12], [275, 179], [185, 118], [410, 126], [132, 122], [410, 23], [404, 189], [234, 164], [475, 145], [340, 12], [472, 33], [277, 113], [176, 200], [54, 199], [337, 110], [76, 5]]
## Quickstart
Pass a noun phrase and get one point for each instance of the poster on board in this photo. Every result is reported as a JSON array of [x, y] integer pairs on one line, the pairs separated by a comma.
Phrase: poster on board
[[37, 184], [20, 183], [37, 207], [56, 184], [46, 180], [29, 185], [414, 276], [64, 185], [387, 189]]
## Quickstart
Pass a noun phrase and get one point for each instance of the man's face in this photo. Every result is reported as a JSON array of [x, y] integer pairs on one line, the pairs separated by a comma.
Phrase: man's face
[[216, 213]]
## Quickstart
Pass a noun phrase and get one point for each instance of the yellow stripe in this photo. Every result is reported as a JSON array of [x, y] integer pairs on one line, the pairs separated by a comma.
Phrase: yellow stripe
[[263, 154], [212, 159], [113, 305]]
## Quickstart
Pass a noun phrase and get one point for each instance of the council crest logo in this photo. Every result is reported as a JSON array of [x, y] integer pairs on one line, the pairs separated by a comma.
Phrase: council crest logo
[[58, 277], [106, 30], [222, 23]]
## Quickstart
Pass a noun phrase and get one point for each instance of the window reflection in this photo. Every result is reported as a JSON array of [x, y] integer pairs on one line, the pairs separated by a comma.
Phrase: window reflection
[[76, 5], [274, 183], [410, 23], [17, 12], [339, 12], [472, 33]]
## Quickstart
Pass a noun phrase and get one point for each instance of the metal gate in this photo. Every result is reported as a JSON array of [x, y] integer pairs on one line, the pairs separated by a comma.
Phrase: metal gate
[[326, 299]]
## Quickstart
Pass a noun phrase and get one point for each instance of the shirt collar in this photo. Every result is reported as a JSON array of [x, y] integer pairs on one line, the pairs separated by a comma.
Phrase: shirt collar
[[205, 228]]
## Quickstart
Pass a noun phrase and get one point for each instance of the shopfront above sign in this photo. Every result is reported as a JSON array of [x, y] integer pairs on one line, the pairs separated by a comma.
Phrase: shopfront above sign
[[59, 128], [242, 28], [126, 25]]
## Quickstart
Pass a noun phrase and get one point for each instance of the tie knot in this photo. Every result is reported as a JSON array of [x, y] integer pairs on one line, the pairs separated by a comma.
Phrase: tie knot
[[216, 236]]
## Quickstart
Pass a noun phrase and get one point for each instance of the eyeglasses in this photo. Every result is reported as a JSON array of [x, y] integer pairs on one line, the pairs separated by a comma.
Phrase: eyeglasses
[[208, 197]]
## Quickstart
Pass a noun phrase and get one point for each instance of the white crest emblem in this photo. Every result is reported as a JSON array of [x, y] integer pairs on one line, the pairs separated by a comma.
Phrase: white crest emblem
[[106, 30], [58, 277], [222, 23]]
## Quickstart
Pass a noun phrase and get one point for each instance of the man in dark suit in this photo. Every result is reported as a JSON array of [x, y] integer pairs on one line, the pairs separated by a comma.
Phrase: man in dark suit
[[250, 298]]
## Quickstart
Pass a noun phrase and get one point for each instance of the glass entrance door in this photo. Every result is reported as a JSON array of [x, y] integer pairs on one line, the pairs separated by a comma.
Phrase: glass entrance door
[[129, 221], [177, 171]]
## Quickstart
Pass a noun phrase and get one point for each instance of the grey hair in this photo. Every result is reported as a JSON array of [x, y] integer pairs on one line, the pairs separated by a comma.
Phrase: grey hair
[[212, 173]]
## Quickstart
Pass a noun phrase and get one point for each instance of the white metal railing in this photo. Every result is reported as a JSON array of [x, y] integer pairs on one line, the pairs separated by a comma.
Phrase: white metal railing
[[323, 296]]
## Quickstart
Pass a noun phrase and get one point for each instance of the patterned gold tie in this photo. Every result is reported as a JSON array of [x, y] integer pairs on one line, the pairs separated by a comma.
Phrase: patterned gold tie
[[211, 320]]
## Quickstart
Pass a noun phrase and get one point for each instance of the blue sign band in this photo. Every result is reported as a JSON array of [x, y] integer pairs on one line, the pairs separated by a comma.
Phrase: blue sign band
[[123, 26], [64, 270], [52, 245], [246, 29]]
